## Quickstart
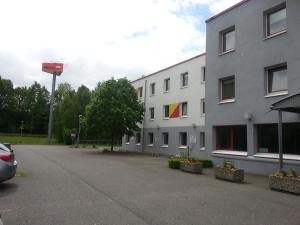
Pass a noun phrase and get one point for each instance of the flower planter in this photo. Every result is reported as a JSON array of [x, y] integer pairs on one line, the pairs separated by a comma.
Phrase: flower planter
[[286, 184], [236, 175], [195, 167]]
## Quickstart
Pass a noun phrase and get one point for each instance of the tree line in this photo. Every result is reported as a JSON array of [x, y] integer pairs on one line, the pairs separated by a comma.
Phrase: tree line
[[109, 111]]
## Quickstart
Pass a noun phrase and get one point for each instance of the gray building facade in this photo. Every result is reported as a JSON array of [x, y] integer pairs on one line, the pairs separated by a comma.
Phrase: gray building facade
[[252, 61]]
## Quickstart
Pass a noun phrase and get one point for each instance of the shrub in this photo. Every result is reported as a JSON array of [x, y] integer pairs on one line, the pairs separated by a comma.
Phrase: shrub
[[174, 163]]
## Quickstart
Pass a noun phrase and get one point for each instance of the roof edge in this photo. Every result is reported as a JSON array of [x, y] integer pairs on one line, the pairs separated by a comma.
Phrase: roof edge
[[226, 10], [151, 74]]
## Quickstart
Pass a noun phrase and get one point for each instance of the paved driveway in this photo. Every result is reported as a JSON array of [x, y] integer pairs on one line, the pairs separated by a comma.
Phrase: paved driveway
[[86, 187]]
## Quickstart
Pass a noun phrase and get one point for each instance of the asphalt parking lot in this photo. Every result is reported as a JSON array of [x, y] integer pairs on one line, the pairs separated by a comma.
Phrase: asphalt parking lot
[[86, 187]]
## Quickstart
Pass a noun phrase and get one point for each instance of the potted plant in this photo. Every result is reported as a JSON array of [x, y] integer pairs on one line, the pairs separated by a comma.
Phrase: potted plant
[[228, 171], [287, 182], [191, 165]]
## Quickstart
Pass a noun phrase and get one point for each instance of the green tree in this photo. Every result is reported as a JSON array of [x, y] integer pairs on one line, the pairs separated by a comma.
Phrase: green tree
[[7, 106], [38, 107], [114, 109]]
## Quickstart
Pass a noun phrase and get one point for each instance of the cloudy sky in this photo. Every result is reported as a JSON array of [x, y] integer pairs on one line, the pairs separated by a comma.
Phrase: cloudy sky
[[98, 39]]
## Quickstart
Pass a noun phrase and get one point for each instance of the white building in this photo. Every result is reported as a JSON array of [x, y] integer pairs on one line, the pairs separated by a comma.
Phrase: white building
[[174, 100]]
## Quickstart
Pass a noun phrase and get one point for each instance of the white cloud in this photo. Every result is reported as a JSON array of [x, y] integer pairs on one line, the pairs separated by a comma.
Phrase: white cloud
[[96, 38]]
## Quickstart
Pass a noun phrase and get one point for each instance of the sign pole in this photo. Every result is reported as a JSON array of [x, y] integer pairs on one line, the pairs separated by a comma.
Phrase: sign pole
[[51, 109]]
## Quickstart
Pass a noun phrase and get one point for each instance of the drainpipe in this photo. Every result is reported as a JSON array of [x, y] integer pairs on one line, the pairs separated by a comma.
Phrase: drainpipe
[[280, 139], [144, 122]]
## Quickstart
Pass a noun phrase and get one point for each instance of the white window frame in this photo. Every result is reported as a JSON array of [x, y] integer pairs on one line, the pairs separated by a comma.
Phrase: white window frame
[[227, 100], [164, 111], [167, 80], [181, 109], [184, 80], [268, 72], [180, 140], [223, 33], [202, 106], [150, 112]]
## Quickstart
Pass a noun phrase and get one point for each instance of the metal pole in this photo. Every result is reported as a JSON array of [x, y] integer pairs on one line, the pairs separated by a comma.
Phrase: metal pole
[[51, 109], [280, 139], [78, 138], [22, 122]]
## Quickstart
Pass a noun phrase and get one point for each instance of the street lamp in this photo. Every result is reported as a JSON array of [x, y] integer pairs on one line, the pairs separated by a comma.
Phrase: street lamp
[[22, 127], [78, 138]]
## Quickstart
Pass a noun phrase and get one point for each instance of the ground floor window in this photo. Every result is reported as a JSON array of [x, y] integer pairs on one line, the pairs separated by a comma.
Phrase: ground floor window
[[138, 137], [165, 138], [127, 138], [150, 138], [231, 138], [267, 138], [202, 140], [183, 139]]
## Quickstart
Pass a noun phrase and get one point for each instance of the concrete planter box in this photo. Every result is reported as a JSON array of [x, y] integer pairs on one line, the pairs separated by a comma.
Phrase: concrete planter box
[[191, 167], [286, 184], [226, 174]]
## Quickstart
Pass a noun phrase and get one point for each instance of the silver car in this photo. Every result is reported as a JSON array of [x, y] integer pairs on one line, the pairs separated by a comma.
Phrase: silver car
[[8, 164]]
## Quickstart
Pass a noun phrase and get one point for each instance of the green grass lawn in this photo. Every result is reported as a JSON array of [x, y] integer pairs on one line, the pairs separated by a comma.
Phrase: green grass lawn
[[25, 140]]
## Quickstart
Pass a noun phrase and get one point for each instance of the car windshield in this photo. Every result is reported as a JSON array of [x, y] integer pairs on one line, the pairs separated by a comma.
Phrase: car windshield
[[4, 148]]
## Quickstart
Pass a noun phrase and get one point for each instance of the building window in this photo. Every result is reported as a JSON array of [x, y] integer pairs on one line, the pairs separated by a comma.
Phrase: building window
[[275, 20], [203, 74], [277, 80], [184, 79], [184, 108], [227, 88], [231, 138], [150, 138], [165, 138], [151, 113], [167, 84], [166, 111], [202, 140], [127, 138], [267, 138], [152, 89], [202, 106], [138, 138], [140, 92], [227, 40], [183, 139]]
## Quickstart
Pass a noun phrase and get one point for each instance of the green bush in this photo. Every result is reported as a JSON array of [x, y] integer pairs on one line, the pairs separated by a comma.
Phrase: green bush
[[67, 136], [174, 163]]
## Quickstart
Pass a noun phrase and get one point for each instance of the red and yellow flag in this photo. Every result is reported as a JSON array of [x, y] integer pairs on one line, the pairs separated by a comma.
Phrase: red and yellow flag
[[174, 110]]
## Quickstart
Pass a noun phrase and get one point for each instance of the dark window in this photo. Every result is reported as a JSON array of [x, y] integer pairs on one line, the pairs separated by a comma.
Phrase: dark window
[[202, 106], [151, 113], [276, 20], [140, 92], [267, 135], [183, 139], [203, 74], [166, 111], [150, 138], [184, 79], [165, 138], [277, 79], [227, 88], [138, 138], [232, 138], [152, 88], [202, 139], [167, 84], [227, 39]]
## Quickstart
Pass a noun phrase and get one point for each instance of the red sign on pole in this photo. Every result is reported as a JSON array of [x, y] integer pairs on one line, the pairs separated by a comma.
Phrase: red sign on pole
[[54, 68]]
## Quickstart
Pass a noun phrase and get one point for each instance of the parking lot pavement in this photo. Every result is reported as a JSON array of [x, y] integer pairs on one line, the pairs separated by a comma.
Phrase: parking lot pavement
[[86, 187]]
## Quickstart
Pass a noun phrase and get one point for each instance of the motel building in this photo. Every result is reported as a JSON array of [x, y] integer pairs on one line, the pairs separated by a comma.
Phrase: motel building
[[174, 110], [226, 104]]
